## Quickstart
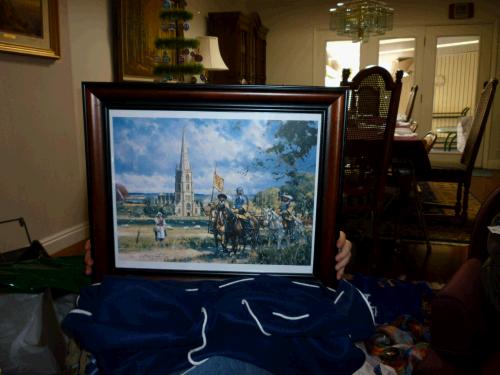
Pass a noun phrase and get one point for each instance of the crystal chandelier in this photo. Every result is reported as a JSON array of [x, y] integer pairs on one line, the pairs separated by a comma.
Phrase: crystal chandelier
[[360, 18]]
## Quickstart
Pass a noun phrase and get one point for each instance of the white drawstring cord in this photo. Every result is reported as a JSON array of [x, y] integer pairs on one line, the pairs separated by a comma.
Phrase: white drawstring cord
[[244, 302], [204, 338], [80, 311], [333, 290], [191, 290], [370, 307], [338, 297], [77, 300], [291, 317], [368, 304], [189, 370], [235, 282], [304, 284]]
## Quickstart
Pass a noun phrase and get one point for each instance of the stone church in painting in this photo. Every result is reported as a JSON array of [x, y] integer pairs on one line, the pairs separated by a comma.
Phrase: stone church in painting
[[185, 204]]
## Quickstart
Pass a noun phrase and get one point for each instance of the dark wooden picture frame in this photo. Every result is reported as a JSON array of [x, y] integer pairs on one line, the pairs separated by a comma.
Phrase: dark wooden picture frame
[[108, 106], [32, 29]]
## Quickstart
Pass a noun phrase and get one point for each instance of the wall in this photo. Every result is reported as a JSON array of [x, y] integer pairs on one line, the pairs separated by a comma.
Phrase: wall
[[41, 129], [42, 147], [201, 8]]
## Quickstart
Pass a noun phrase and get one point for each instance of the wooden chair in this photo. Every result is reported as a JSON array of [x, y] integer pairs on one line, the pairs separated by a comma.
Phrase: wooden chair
[[404, 172], [461, 173], [413, 126], [411, 103], [371, 120], [406, 116], [429, 140]]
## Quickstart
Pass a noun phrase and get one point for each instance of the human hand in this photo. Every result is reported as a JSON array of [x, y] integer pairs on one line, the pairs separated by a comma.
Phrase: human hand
[[89, 262], [344, 254]]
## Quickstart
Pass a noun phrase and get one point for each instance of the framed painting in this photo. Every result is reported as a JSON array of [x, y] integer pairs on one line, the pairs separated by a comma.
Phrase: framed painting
[[31, 27], [136, 26], [213, 180]]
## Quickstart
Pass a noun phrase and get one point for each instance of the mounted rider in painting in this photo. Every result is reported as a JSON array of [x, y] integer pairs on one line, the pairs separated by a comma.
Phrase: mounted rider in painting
[[287, 212], [241, 201], [241, 206]]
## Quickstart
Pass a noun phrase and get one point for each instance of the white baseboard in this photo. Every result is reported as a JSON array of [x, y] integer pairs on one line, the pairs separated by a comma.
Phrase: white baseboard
[[65, 238]]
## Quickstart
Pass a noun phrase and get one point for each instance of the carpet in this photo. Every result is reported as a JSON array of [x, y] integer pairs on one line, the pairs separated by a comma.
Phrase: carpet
[[401, 221], [441, 225], [443, 192]]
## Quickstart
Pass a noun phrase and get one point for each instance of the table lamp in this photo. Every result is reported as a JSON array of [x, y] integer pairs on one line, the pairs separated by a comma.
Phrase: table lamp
[[209, 50]]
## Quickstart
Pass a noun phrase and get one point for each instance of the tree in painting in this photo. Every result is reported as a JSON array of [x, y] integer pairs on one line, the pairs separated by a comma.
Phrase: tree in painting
[[291, 152]]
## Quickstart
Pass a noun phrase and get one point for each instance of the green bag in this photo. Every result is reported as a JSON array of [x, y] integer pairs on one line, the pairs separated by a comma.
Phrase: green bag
[[65, 274]]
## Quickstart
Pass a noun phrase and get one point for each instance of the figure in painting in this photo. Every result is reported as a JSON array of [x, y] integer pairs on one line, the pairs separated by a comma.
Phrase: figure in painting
[[222, 202], [274, 224], [287, 212], [241, 201], [160, 229], [217, 222], [241, 208], [294, 229], [249, 224]]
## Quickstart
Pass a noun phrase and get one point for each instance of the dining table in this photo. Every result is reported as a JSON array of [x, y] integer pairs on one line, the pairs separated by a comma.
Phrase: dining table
[[407, 148], [411, 150], [410, 163]]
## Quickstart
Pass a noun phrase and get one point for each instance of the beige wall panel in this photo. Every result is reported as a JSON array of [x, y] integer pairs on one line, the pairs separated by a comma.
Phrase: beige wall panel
[[41, 131]]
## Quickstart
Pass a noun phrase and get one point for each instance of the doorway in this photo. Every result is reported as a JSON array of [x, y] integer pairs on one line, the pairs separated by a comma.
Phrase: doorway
[[459, 62]]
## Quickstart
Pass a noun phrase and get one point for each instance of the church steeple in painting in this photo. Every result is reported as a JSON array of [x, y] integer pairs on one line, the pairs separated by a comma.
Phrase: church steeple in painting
[[184, 194], [184, 163]]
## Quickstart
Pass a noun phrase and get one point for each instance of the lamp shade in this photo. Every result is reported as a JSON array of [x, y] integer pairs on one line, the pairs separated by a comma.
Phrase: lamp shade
[[209, 50]]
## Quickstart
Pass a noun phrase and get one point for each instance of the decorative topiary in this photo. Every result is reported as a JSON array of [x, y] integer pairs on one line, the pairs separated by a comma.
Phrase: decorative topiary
[[176, 58]]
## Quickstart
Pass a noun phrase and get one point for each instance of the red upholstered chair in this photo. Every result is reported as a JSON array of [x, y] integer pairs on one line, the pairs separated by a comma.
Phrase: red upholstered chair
[[461, 173], [464, 325], [371, 120]]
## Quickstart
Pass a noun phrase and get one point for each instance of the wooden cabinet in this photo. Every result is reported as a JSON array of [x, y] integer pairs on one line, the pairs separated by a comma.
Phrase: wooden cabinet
[[242, 43]]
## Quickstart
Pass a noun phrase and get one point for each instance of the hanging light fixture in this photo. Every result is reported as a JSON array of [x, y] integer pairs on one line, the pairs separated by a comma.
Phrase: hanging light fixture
[[359, 19]]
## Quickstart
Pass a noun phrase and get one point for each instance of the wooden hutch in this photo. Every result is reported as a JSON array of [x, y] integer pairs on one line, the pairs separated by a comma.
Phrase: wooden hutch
[[242, 43]]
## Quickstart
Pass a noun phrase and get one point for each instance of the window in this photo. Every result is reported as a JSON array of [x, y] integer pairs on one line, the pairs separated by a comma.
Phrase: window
[[341, 55], [399, 54]]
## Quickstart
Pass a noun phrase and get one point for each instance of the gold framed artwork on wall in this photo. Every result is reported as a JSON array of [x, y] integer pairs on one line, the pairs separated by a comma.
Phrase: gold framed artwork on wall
[[136, 27], [30, 27]]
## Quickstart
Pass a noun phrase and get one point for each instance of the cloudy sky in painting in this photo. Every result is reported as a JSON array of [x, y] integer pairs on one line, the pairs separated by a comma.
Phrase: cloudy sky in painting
[[146, 148]]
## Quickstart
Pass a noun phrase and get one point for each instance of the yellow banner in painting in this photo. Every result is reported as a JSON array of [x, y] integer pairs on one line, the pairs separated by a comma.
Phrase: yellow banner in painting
[[218, 182]]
